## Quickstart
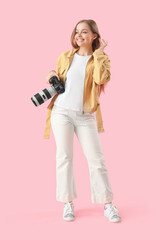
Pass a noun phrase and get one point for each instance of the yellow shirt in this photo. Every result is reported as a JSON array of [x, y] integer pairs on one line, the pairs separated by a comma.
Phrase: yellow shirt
[[97, 73]]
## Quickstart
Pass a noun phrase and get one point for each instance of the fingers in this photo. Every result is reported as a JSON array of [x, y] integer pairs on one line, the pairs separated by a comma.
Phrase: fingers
[[104, 42], [51, 74]]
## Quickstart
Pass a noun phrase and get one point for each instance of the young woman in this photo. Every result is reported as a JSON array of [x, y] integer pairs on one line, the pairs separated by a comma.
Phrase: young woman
[[85, 70]]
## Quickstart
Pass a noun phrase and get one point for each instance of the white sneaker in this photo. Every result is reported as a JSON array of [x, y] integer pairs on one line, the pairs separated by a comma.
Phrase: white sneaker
[[68, 211], [111, 212]]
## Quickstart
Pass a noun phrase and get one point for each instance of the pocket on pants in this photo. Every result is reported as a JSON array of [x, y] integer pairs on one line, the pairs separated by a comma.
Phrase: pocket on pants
[[59, 117], [57, 109]]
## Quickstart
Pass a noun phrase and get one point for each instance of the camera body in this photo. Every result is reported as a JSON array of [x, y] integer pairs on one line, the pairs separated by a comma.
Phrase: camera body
[[49, 92]]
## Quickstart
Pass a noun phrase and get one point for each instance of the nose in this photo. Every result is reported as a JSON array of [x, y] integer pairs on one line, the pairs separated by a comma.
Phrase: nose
[[79, 35]]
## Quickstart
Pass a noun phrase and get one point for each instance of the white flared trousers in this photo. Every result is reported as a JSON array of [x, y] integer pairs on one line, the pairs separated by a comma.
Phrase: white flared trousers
[[64, 123]]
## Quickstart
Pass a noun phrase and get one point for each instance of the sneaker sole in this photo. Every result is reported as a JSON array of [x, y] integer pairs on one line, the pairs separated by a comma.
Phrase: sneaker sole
[[71, 219], [114, 220], [118, 220]]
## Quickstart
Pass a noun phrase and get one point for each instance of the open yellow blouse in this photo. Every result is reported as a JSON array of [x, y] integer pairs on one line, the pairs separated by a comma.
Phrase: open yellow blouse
[[97, 73]]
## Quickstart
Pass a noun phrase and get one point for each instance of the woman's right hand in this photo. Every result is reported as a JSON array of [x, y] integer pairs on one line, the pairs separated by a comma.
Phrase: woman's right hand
[[51, 74]]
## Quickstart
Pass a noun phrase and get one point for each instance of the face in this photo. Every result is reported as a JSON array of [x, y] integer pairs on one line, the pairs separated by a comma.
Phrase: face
[[83, 35]]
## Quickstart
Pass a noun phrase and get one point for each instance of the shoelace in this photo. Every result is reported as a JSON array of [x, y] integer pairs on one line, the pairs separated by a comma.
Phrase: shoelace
[[112, 210], [68, 210]]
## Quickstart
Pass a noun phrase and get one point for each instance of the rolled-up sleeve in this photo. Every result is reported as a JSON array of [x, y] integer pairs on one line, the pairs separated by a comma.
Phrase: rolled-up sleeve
[[101, 73]]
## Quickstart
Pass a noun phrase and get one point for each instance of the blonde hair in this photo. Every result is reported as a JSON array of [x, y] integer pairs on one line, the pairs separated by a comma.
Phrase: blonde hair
[[95, 44]]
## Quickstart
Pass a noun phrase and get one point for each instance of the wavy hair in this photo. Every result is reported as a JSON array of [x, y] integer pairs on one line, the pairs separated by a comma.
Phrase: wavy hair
[[95, 44]]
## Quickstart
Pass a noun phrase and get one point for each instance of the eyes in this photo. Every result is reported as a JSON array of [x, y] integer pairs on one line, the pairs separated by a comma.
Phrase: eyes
[[82, 32]]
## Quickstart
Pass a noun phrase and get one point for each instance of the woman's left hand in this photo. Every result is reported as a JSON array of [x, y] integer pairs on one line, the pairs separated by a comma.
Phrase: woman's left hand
[[103, 44]]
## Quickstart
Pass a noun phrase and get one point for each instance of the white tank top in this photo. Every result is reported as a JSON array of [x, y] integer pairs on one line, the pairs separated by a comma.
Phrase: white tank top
[[72, 98]]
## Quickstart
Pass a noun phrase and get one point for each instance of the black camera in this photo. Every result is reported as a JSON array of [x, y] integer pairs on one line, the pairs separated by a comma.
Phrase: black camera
[[49, 92]]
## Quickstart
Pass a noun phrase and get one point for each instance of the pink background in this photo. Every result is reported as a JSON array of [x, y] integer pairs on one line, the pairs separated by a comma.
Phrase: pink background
[[33, 34]]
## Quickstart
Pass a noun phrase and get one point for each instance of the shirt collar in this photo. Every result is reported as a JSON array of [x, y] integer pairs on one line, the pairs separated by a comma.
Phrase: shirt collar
[[70, 53]]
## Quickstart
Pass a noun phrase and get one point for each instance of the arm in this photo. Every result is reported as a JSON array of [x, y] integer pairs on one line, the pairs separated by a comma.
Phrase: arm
[[101, 72]]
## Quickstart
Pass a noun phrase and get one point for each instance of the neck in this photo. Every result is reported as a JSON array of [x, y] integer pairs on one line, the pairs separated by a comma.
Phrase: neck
[[85, 51]]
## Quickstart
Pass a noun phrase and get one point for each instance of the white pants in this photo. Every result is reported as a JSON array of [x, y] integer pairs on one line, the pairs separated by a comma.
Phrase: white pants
[[64, 123]]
